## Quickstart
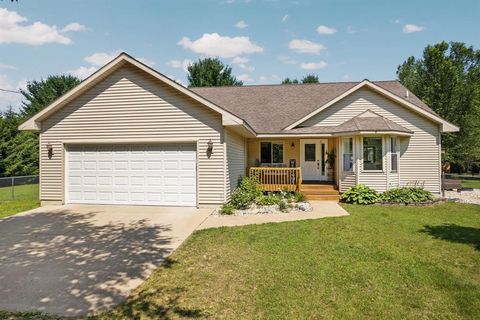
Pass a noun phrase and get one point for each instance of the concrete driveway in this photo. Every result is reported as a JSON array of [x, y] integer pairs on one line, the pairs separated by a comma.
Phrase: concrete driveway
[[76, 259]]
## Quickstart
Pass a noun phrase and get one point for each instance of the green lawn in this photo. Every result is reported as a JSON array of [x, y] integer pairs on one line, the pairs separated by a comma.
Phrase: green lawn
[[471, 184], [378, 263], [26, 198]]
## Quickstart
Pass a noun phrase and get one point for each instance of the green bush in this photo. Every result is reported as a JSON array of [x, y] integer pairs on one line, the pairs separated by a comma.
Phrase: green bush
[[299, 197], [267, 200], [406, 195], [283, 206], [246, 193], [227, 209], [360, 194]]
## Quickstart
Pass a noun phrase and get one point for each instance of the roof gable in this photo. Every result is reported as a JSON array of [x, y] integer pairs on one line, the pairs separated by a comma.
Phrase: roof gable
[[419, 108], [34, 122]]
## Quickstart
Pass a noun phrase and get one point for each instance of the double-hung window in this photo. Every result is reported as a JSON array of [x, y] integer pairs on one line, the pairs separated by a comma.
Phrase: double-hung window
[[372, 154], [347, 151], [394, 153], [271, 152]]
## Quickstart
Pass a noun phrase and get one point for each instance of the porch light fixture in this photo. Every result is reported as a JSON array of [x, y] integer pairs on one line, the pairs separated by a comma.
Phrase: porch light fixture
[[210, 146], [49, 150], [292, 145]]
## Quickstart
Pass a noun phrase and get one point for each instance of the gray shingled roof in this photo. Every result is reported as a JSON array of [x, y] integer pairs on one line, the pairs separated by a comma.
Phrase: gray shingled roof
[[271, 108], [356, 124]]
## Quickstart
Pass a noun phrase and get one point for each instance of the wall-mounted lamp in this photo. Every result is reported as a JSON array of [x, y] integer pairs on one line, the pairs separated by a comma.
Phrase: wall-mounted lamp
[[210, 145], [292, 145], [49, 150], [209, 148]]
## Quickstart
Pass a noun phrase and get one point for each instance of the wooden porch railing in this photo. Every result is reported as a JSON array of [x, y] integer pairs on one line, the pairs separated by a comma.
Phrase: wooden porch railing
[[277, 179]]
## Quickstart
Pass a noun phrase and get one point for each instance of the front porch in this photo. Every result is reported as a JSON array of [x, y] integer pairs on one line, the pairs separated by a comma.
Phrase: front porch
[[296, 164]]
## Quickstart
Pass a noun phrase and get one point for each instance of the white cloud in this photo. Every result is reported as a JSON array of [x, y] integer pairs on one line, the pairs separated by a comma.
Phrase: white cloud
[[213, 44], [313, 65], [397, 21], [326, 30], [7, 66], [241, 24], [305, 46], [242, 63], [101, 58], [411, 28], [287, 60], [245, 78], [285, 18], [83, 72], [10, 98], [180, 64], [13, 29], [73, 27], [238, 60]]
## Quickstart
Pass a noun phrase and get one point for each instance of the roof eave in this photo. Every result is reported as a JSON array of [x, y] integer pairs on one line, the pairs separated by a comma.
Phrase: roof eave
[[34, 123]]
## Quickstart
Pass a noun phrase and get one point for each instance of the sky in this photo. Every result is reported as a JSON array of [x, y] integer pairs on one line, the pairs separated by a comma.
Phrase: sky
[[264, 41]]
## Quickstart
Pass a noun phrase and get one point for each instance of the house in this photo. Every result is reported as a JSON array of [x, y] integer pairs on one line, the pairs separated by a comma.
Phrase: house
[[130, 135]]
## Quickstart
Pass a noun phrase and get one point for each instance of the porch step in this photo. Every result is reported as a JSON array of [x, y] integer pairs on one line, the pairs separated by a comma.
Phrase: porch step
[[320, 192], [322, 197]]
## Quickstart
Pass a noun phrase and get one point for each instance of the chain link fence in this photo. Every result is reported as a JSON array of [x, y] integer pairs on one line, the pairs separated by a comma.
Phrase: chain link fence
[[19, 188]]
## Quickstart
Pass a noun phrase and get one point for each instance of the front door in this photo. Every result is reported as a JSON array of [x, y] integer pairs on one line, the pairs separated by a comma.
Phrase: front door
[[313, 153]]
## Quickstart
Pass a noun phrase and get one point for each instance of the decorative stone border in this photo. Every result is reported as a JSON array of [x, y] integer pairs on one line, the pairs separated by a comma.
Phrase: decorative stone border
[[274, 209]]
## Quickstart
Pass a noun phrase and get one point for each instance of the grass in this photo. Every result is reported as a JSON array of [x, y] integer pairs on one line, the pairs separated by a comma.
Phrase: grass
[[471, 184], [26, 198], [379, 262]]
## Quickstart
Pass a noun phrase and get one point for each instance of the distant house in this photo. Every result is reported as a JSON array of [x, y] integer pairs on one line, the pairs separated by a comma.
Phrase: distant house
[[130, 135]]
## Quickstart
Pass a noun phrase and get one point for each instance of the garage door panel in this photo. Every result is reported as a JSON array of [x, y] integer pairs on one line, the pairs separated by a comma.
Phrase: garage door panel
[[132, 174]]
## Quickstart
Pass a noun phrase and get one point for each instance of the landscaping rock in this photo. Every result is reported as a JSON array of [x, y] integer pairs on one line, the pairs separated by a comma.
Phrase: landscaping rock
[[465, 196], [304, 206]]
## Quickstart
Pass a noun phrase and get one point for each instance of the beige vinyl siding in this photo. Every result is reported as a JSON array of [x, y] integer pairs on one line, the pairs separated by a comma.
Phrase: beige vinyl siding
[[348, 180], [419, 154], [236, 160], [132, 105]]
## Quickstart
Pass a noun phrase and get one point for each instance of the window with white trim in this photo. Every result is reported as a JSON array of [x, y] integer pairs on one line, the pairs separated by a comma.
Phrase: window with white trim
[[394, 153], [271, 152], [347, 151], [372, 154]]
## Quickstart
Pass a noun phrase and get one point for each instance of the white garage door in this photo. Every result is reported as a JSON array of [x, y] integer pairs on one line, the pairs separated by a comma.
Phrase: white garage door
[[131, 174]]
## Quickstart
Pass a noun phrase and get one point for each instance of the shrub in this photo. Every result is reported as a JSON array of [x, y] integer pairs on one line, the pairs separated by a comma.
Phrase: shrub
[[283, 206], [406, 195], [285, 194], [246, 193], [227, 208], [299, 197], [360, 194], [267, 200]]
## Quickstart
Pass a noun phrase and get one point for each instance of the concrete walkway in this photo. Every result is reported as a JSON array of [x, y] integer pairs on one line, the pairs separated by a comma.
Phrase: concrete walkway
[[76, 259], [321, 209]]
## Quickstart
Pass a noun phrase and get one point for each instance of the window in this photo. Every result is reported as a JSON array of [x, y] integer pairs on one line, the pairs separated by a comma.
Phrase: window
[[372, 154], [347, 154], [271, 152], [310, 152], [394, 153]]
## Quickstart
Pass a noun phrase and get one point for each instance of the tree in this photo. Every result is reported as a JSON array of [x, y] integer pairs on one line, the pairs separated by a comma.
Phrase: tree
[[19, 150], [211, 72], [289, 81], [309, 78], [41, 93], [447, 78], [8, 130]]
